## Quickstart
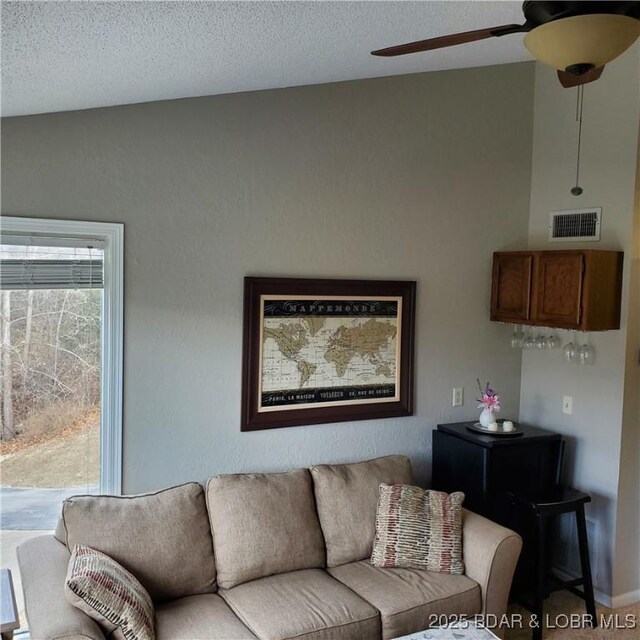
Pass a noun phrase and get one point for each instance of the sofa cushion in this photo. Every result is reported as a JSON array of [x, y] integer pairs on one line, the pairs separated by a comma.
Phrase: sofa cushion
[[305, 605], [109, 594], [418, 528], [410, 600], [347, 497], [263, 524], [204, 617], [162, 538]]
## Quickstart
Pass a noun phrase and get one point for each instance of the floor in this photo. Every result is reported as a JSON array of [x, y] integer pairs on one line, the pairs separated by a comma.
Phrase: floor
[[625, 621]]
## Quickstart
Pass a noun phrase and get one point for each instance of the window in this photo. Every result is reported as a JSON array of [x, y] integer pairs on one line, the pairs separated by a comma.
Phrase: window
[[60, 370]]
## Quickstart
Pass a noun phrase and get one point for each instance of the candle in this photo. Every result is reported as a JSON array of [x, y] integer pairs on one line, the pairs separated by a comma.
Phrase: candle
[[493, 426], [507, 425]]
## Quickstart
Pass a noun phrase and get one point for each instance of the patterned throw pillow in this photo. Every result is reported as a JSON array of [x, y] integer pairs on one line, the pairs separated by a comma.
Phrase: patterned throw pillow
[[109, 594], [418, 528]]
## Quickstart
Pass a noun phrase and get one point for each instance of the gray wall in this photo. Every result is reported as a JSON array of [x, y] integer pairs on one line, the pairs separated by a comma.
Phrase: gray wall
[[608, 173], [417, 177]]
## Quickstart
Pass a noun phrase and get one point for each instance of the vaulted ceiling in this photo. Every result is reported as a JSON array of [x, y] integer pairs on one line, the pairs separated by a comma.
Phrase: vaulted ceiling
[[58, 56]]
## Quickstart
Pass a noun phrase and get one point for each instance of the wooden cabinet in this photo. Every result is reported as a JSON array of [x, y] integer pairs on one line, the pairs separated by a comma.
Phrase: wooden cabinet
[[511, 290], [576, 289]]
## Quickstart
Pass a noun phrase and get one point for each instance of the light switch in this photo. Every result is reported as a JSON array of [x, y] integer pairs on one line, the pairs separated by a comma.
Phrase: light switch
[[567, 405]]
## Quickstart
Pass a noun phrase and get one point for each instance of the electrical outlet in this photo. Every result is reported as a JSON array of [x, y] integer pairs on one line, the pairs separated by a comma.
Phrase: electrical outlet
[[458, 396], [567, 405]]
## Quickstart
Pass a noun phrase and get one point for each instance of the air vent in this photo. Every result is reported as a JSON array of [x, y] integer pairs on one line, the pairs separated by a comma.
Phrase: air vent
[[577, 225]]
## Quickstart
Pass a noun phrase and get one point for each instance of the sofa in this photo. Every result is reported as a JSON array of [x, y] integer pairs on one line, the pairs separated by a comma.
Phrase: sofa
[[270, 556]]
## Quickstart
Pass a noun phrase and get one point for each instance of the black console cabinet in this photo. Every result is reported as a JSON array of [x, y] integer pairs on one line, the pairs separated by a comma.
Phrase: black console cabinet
[[491, 469]]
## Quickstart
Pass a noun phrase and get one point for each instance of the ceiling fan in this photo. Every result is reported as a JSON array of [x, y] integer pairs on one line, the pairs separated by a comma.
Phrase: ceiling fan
[[576, 38]]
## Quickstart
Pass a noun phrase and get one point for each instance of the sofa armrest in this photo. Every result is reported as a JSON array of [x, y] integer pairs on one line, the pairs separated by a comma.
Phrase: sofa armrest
[[490, 555], [43, 567]]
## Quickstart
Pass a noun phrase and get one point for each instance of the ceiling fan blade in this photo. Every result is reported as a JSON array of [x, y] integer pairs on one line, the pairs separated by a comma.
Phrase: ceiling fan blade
[[569, 80], [451, 40]]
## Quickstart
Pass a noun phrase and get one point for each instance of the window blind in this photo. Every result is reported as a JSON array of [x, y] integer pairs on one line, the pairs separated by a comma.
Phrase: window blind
[[44, 240], [41, 261], [51, 274]]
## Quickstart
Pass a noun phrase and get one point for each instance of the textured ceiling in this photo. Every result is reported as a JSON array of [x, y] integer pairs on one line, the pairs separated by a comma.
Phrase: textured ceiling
[[58, 56]]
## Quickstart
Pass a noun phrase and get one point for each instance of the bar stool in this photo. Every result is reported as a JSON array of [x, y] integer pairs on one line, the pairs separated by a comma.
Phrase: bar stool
[[561, 500]]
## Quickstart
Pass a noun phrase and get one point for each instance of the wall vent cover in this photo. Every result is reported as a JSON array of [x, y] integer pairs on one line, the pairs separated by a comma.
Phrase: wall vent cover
[[577, 225]]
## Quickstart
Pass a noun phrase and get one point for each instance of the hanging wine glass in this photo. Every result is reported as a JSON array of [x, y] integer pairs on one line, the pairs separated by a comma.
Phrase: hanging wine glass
[[553, 341], [529, 341], [516, 338], [586, 353], [570, 352], [541, 341]]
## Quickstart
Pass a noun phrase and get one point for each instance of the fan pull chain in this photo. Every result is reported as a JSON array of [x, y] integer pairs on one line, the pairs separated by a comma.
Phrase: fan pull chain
[[577, 190]]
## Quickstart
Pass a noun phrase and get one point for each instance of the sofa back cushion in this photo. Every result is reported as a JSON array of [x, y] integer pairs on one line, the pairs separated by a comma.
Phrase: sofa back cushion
[[347, 499], [263, 524], [162, 538]]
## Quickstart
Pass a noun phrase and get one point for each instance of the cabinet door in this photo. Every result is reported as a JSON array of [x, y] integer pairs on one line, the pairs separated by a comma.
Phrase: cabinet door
[[559, 289], [459, 465], [511, 287]]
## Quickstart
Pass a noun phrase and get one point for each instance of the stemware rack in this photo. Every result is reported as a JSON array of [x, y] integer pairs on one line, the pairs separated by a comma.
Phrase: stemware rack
[[547, 339]]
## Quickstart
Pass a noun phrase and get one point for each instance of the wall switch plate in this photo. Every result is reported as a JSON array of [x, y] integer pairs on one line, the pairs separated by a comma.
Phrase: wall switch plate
[[458, 397], [567, 405]]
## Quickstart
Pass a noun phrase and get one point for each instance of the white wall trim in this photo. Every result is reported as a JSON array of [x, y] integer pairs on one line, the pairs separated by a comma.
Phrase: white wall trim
[[603, 598], [112, 234], [625, 599]]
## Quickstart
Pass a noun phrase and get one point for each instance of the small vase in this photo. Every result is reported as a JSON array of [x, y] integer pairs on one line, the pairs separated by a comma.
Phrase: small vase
[[486, 418]]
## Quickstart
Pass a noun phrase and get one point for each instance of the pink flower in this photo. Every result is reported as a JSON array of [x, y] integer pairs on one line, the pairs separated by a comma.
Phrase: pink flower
[[488, 399]]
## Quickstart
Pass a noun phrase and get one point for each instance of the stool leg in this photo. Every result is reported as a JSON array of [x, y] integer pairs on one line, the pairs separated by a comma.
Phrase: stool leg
[[586, 565], [538, 601]]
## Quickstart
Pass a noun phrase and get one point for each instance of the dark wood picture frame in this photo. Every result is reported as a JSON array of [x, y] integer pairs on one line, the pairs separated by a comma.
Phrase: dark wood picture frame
[[254, 418]]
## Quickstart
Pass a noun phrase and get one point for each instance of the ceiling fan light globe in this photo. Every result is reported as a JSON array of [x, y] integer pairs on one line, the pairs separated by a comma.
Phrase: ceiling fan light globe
[[593, 40]]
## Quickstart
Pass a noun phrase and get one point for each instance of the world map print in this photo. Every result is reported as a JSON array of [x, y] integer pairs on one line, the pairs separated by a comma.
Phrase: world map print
[[312, 358]]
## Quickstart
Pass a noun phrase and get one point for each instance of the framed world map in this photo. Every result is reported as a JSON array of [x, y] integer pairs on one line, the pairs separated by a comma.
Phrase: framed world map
[[326, 351]]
